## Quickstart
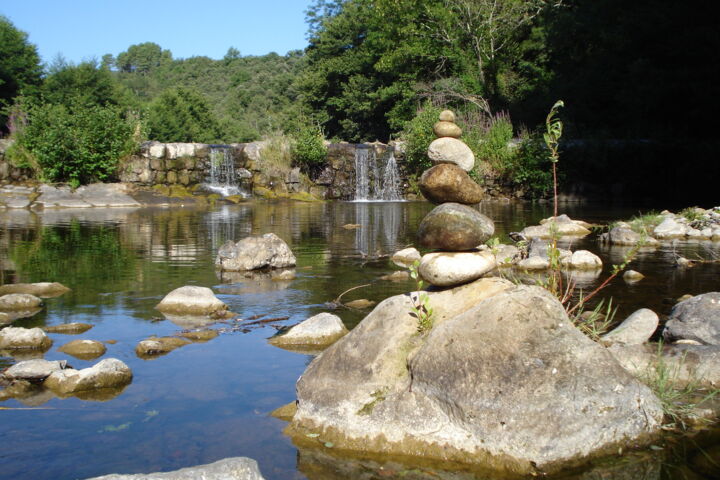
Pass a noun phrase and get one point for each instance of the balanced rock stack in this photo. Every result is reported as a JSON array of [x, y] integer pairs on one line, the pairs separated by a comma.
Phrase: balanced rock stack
[[453, 228]]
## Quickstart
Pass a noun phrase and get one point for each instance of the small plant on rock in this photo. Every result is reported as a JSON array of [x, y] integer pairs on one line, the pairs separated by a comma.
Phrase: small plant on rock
[[421, 302]]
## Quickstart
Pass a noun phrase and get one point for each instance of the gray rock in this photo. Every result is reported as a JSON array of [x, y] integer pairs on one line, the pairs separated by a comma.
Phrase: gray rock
[[670, 228], [18, 338], [156, 346], [322, 329], [454, 227], [564, 226], [503, 379], [42, 289], [452, 150], [624, 235], [255, 252], [406, 257], [445, 269], [582, 260], [191, 300], [450, 183], [19, 301], [697, 318], [236, 468], [108, 373], [84, 349], [107, 195], [533, 263], [634, 330], [506, 255], [60, 197], [35, 370]]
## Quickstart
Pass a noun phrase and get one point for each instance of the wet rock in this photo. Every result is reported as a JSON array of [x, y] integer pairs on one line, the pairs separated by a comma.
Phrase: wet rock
[[18, 338], [634, 330], [322, 329], [454, 227], [156, 346], [255, 281], [632, 276], [565, 227], [106, 195], [533, 263], [252, 253], [200, 335], [191, 300], [446, 129], [84, 349], [43, 289], [449, 183], [697, 318], [670, 228], [35, 370], [108, 373], [59, 197], [582, 260], [624, 235], [19, 301], [286, 412], [503, 379], [236, 468], [445, 269], [402, 276], [406, 257], [74, 328], [360, 303], [451, 150]]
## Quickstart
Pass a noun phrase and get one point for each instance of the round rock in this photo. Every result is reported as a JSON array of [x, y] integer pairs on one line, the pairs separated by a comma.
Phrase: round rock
[[449, 183], [406, 257], [632, 276], [634, 330], [451, 150], [447, 129], [454, 227], [697, 318], [447, 116], [445, 269], [84, 349], [191, 300], [321, 329], [582, 260], [19, 301], [18, 338]]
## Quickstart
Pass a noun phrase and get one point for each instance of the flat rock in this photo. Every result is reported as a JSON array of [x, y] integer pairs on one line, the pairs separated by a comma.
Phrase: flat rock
[[503, 380], [200, 335], [255, 252], [74, 328], [322, 329], [624, 235], [156, 346], [360, 303], [506, 255], [449, 183], [451, 150], [533, 263], [106, 374], [564, 226], [634, 330], [582, 260], [191, 300], [18, 338], [454, 227], [35, 370], [697, 318], [447, 129], [59, 197], [42, 289], [670, 228], [401, 276], [84, 349], [19, 301], [236, 468], [445, 269], [106, 195], [406, 257]]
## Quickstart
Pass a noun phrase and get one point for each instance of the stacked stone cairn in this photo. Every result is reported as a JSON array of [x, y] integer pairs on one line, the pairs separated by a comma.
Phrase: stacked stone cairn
[[453, 228]]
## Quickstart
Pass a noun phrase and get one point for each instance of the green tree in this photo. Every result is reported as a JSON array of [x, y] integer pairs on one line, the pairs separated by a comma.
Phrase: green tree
[[20, 69], [182, 115], [85, 83], [143, 58]]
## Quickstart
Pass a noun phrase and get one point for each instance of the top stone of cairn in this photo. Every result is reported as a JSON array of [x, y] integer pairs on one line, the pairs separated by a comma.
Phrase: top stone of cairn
[[446, 127]]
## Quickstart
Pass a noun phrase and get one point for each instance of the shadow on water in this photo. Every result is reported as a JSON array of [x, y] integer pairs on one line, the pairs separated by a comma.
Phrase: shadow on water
[[207, 401]]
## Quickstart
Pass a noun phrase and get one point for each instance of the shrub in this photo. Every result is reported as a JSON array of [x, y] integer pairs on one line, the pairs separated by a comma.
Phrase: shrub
[[418, 135], [529, 167], [182, 115], [309, 148]]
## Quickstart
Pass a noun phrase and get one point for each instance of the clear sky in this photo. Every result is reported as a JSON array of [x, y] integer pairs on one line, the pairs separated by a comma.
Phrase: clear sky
[[85, 29]]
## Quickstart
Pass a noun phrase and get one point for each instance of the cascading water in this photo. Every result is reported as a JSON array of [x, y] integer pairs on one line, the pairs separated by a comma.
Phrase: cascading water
[[373, 183], [223, 178]]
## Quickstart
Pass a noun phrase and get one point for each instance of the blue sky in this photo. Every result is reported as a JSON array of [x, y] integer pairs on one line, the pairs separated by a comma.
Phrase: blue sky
[[83, 29]]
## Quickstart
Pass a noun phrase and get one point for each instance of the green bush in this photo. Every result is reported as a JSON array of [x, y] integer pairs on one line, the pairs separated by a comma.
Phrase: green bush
[[77, 144], [309, 148], [183, 115], [530, 167], [418, 135]]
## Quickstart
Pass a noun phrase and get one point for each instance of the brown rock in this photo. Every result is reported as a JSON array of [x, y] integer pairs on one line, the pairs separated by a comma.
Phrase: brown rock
[[449, 183], [447, 116], [84, 349], [447, 129], [454, 227]]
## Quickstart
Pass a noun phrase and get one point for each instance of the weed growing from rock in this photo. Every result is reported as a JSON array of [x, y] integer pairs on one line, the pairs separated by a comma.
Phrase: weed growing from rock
[[421, 302]]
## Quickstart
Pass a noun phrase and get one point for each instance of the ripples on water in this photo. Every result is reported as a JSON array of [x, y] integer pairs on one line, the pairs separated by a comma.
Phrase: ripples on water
[[209, 401]]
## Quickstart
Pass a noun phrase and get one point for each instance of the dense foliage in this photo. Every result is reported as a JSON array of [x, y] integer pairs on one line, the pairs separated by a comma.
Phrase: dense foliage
[[182, 115]]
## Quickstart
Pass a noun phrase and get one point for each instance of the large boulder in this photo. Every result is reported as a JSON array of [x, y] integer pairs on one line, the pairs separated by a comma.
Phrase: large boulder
[[697, 318], [18, 338], [446, 269], [42, 289], [236, 468], [450, 183], [624, 235], [454, 227], [191, 300], [19, 301], [108, 373], [451, 150], [634, 330], [255, 252], [319, 330], [670, 228], [503, 379]]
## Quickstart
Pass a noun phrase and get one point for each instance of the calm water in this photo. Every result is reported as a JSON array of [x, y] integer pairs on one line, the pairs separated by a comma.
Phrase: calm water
[[208, 401]]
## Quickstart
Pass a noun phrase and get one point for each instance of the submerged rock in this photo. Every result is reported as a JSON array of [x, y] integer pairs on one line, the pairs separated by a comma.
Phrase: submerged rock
[[454, 227], [450, 183], [697, 318], [445, 269], [18, 338], [200, 335], [634, 330], [255, 252], [406, 257], [108, 373], [19, 301], [360, 303], [401, 276], [75, 328], [84, 349], [156, 346], [191, 300], [503, 379], [322, 329], [236, 468], [43, 289]]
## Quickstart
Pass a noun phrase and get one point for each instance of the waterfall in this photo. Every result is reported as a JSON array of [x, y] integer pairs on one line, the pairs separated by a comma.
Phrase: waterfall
[[223, 179], [373, 183]]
